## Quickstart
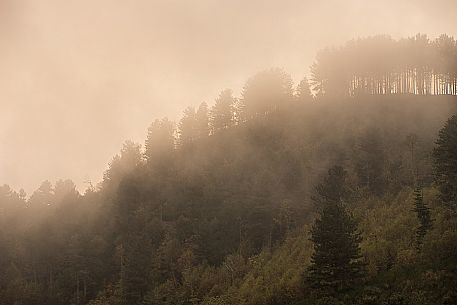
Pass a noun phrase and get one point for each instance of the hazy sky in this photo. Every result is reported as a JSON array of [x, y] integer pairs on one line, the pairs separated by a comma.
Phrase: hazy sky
[[78, 77]]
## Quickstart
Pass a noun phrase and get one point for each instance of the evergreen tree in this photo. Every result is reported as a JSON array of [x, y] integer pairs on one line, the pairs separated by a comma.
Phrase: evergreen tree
[[426, 67], [303, 92], [202, 121], [188, 127], [43, 195], [239, 112], [265, 91], [222, 113], [336, 264], [159, 141], [64, 190], [133, 242], [445, 155], [423, 215], [371, 161], [122, 164]]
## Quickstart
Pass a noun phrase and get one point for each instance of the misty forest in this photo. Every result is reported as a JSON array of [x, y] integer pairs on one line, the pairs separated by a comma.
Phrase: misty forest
[[341, 189]]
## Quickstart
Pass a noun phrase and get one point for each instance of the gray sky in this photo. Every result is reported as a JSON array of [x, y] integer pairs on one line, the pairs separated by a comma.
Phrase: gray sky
[[78, 77]]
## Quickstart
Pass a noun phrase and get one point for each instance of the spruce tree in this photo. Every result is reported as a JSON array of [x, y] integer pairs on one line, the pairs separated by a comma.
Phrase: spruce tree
[[336, 264], [371, 161], [303, 91], [188, 127], [445, 157], [222, 113], [423, 215], [160, 140], [202, 121], [266, 91]]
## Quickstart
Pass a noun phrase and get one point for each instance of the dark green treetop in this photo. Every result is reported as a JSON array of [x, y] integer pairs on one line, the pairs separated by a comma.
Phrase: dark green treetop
[[336, 264]]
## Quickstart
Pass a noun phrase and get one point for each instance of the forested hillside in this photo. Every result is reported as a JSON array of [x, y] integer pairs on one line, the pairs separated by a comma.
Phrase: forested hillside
[[381, 65], [274, 197]]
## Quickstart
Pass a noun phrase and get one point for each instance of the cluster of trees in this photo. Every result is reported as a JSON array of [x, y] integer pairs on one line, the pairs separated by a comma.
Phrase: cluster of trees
[[261, 95], [337, 266], [262, 199], [382, 65], [230, 220]]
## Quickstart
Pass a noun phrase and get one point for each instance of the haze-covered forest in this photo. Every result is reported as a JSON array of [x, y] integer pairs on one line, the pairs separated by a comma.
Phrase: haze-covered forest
[[340, 190]]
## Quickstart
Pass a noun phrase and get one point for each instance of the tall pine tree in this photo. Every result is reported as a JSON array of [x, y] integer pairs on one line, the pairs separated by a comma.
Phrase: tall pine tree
[[202, 121], [336, 264], [188, 127], [303, 92], [222, 113], [160, 141], [423, 215], [445, 155]]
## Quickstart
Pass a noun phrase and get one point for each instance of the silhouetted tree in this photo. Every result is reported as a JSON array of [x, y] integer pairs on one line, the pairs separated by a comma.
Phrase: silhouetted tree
[[265, 91], [43, 196], [371, 161], [303, 92], [445, 156], [160, 141], [423, 216], [64, 189], [11, 202], [336, 264], [134, 244], [380, 65], [202, 121], [188, 127], [222, 113], [122, 164]]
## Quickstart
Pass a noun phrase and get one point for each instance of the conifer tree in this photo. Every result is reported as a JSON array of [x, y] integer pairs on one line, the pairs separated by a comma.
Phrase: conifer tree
[[187, 127], [159, 141], [445, 155], [202, 121], [336, 264], [133, 241], [423, 215], [122, 164], [371, 161], [266, 91], [303, 92], [222, 113]]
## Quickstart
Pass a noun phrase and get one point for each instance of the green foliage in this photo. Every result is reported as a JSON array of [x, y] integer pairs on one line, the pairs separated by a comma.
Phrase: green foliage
[[371, 161], [423, 216], [445, 155], [223, 217], [336, 264]]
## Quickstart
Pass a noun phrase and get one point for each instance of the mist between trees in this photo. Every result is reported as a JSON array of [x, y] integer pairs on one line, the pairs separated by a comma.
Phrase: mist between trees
[[279, 196], [382, 65]]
